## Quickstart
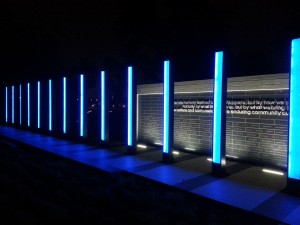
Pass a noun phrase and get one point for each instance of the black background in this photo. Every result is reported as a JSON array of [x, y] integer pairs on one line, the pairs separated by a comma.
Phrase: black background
[[43, 39]]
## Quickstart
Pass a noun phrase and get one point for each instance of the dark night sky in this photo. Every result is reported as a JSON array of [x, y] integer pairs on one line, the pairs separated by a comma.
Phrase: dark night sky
[[51, 38]]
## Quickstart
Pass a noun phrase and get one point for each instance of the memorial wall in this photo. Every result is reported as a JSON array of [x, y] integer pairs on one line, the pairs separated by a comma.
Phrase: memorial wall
[[256, 122]]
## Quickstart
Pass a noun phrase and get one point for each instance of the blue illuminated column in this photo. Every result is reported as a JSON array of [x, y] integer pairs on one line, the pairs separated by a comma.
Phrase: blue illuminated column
[[20, 102], [6, 104], [50, 105], [168, 113], [219, 117], [13, 104], [64, 105], [294, 116], [38, 105], [82, 116], [28, 104], [131, 112], [104, 109]]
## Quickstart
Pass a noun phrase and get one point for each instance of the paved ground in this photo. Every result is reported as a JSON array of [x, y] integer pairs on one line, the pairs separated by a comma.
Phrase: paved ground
[[246, 187]]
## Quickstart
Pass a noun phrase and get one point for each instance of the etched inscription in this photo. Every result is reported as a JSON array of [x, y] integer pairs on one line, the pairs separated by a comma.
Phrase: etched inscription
[[277, 107]]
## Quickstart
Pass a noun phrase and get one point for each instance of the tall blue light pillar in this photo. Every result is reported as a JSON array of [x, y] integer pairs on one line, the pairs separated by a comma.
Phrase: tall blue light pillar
[[28, 104], [82, 108], [131, 111], [50, 105], [6, 104], [294, 118], [20, 104], [38, 105], [13, 104], [104, 112], [168, 94], [219, 117], [64, 106]]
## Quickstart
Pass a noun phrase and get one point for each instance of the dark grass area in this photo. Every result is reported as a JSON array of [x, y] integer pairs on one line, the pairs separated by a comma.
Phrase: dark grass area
[[37, 187]]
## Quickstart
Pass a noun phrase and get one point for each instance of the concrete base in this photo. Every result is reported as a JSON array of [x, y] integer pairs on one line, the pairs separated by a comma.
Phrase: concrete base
[[168, 158], [131, 150], [218, 170], [293, 186], [104, 144]]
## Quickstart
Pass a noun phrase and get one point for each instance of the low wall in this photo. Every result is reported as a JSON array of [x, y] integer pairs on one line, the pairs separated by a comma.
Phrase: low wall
[[257, 117]]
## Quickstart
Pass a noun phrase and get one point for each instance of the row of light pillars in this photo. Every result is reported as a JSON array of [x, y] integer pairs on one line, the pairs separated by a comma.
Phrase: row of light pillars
[[104, 131], [28, 100], [219, 116]]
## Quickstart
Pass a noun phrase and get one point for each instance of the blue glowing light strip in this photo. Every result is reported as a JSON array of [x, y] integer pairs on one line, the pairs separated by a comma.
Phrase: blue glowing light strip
[[217, 107], [50, 105], [81, 104], [166, 105], [6, 105], [129, 105], [20, 99], [64, 104], [38, 105], [28, 104], [294, 115], [13, 104], [103, 104]]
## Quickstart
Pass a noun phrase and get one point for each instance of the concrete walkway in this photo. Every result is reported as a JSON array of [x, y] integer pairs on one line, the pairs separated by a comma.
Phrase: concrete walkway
[[245, 186]]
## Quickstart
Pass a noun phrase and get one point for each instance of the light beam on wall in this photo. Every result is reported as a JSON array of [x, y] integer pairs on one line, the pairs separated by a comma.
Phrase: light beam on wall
[[50, 105], [6, 105], [28, 104], [13, 104], [103, 106], [217, 107], [64, 105], [38, 105], [294, 114], [20, 99], [166, 105], [129, 107], [81, 105]]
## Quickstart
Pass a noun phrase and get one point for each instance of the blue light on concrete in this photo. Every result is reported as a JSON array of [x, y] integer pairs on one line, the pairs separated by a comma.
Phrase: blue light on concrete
[[20, 99], [28, 104], [294, 114], [166, 105], [129, 107], [6, 105], [103, 104], [50, 105], [64, 105], [81, 105], [217, 107], [38, 105], [13, 104]]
